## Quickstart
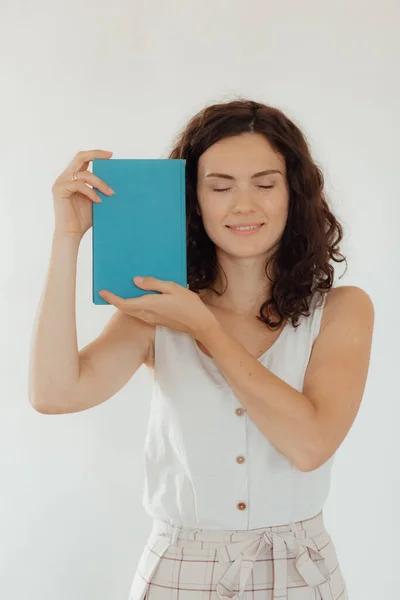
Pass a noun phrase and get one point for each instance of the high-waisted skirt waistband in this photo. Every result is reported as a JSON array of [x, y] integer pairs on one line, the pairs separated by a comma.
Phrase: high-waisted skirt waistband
[[281, 560]]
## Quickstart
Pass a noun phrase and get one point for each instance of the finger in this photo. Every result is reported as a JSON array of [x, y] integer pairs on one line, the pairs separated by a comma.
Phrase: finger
[[136, 305], [83, 158], [152, 283], [92, 180], [106, 296], [80, 186], [111, 298]]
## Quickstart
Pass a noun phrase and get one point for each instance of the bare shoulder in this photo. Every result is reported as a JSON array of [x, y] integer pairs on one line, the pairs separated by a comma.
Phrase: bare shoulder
[[348, 302]]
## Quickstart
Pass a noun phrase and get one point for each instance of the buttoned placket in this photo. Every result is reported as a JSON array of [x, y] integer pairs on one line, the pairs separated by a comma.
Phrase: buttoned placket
[[240, 412]]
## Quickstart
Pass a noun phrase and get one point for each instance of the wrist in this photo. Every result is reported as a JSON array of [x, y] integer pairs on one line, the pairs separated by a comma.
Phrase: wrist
[[208, 329], [65, 235]]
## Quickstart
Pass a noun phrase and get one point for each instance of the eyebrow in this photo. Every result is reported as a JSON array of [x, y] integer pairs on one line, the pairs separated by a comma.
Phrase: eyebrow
[[225, 176]]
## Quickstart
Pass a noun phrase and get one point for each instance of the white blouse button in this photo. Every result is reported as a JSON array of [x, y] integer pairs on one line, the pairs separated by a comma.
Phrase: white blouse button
[[240, 459], [239, 412]]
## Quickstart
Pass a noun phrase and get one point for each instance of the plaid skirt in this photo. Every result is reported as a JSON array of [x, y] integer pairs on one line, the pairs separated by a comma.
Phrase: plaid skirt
[[286, 562]]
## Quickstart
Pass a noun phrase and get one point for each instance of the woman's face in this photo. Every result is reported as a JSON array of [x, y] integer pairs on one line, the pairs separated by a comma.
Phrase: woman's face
[[240, 197]]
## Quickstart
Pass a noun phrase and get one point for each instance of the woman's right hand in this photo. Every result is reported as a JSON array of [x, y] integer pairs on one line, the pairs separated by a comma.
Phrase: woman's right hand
[[72, 197]]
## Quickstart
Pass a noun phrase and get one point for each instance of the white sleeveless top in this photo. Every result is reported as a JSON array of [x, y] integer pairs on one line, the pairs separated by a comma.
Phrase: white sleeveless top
[[198, 428]]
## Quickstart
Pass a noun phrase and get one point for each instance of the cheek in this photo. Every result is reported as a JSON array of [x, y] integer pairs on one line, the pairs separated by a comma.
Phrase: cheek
[[276, 207], [213, 218], [212, 211], [212, 224]]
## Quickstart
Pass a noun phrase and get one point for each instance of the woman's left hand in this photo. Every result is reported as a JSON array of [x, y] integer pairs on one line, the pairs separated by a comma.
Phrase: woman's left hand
[[175, 307]]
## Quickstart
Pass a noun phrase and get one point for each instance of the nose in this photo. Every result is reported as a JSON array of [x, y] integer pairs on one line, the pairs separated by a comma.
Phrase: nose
[[243, 201]]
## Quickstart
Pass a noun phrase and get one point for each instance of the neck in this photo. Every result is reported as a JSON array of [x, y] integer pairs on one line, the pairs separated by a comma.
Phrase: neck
[[243, 301]]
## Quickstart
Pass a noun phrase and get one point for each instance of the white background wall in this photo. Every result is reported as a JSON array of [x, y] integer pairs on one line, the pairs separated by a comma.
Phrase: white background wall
[[126, 76]]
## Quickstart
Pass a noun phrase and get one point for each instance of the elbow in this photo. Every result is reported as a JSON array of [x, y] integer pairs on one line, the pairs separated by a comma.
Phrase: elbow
[[313, 462], [314, 454], [307, 467], [43, 407], [310, 460], [38, 406]]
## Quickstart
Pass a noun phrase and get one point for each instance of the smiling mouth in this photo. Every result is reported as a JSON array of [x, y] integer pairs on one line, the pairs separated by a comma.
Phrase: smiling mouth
[[244, 226], [245, 229]]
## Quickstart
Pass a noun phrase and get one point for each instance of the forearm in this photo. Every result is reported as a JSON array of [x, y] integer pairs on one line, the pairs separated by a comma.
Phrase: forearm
[[54, 358], [283, 414]]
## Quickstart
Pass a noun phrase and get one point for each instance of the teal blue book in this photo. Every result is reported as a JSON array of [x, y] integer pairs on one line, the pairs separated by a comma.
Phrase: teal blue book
[[141, 229]]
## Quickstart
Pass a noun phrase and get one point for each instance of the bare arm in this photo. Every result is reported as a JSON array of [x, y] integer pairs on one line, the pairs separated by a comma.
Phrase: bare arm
[[61, 379], [54, 360]]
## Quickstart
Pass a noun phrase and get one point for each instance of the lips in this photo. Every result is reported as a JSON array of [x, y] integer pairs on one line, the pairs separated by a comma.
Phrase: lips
[[245, 225]]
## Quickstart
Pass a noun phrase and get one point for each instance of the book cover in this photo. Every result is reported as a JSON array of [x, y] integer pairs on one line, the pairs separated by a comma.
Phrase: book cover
[[141, 229]]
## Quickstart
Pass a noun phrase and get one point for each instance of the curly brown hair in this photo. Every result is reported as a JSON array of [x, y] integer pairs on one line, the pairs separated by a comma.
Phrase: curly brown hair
[[312, 233]]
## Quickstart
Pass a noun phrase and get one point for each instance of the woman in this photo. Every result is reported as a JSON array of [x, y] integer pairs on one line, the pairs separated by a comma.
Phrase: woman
[[259, 367], [247, 417]]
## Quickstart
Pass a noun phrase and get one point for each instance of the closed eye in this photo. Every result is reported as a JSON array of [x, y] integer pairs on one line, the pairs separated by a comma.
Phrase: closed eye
[[265, 187]]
